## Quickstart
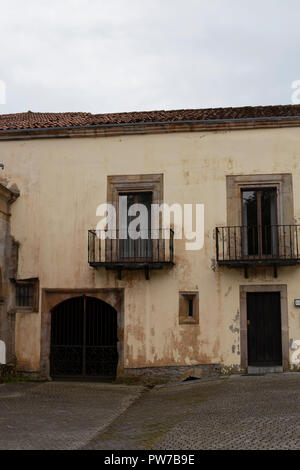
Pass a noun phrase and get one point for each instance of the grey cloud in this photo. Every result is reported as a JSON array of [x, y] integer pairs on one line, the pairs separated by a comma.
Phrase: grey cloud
[[124, 55]]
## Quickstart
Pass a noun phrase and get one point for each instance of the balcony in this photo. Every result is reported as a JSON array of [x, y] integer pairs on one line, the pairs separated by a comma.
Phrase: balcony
[[246, 245], [112, 250]]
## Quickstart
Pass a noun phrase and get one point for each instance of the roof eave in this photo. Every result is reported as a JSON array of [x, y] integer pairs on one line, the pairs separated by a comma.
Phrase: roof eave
[[110, 129]]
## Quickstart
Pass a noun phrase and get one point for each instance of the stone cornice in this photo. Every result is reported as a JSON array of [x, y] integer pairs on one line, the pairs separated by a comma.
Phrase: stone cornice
[[108, 130]]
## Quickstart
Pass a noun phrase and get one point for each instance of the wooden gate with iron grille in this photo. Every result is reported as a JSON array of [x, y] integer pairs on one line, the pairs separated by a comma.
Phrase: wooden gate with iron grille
[[83, 338]]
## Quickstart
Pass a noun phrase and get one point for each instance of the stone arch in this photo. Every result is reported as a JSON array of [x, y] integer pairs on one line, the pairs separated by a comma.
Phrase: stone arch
[[53, 297], [84, 338]]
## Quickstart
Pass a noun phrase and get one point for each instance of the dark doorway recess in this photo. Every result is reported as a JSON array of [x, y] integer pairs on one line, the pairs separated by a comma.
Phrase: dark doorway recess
[[83, 339], [264, 329]]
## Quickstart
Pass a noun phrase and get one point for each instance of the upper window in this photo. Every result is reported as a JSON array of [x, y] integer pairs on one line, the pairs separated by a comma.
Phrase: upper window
[[267, 199], [259, 214], [132, 196], [135, 239]]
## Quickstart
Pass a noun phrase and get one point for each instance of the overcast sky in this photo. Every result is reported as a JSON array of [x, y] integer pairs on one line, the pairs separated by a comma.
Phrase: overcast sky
[[125, 55]]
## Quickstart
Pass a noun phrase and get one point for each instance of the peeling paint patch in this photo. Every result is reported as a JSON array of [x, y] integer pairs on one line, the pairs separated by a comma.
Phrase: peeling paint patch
[[232, 369], [213, 264], [234, 329], [237, 316], [236, 321], [228, 291]]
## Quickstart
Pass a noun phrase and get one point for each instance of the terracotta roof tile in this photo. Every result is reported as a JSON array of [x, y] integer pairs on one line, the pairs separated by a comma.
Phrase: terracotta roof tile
[[32, 120]]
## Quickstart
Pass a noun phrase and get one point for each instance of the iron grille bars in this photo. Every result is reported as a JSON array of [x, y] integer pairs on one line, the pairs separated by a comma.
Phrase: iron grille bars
[[109, 247], [254, 243]]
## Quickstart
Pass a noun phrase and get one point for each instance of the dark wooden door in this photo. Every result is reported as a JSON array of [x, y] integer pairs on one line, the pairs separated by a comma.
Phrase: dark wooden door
[[264, 329], [84, 338]]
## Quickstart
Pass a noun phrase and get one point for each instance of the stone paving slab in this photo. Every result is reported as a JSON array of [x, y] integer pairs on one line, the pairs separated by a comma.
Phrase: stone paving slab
[[59, 415], [232, 413]]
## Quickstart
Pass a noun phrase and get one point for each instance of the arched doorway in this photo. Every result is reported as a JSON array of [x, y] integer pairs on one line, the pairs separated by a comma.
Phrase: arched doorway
[[83, 338]]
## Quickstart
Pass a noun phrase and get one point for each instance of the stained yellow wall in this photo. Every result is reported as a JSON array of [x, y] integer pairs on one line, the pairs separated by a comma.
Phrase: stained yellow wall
[[62, 181]]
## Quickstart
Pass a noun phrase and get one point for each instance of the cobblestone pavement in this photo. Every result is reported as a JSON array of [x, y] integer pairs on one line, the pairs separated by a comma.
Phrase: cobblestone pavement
[[59, 415], [231, 413]]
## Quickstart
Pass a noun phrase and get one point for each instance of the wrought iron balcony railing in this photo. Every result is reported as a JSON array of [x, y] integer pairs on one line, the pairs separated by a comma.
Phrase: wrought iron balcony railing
[[113, 250], [251, 244]]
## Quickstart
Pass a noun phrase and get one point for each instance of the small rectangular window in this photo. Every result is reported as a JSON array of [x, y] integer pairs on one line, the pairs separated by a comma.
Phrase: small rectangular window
[[24, 295], [27, 294], [188, 308]]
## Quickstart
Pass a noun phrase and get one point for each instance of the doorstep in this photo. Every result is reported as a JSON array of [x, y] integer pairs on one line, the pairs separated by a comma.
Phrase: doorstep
[[261, 370]]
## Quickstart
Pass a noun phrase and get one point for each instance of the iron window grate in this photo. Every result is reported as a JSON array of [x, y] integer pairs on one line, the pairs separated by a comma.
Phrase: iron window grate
[[24, 295]]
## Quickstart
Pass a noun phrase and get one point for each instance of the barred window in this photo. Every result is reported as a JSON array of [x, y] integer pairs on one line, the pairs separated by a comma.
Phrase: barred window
[[24, 295], [27, 294]]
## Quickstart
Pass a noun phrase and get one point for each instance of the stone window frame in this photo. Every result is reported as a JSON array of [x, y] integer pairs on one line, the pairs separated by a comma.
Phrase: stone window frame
[[184, 318], [118, 184], [34, 283], [283, 182], [282, 289]]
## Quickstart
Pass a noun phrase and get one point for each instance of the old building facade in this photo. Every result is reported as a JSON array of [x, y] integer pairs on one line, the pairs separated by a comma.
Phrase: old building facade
[[79, 305], [8, 266]]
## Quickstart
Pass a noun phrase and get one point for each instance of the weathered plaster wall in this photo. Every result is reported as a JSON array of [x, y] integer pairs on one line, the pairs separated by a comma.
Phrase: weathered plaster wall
[[7, 269], [27, 331], [63, 180], [4, 319]]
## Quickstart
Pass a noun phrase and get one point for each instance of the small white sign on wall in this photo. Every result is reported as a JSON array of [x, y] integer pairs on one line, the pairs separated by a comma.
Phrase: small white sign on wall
[[2, 352], [296, 352]]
